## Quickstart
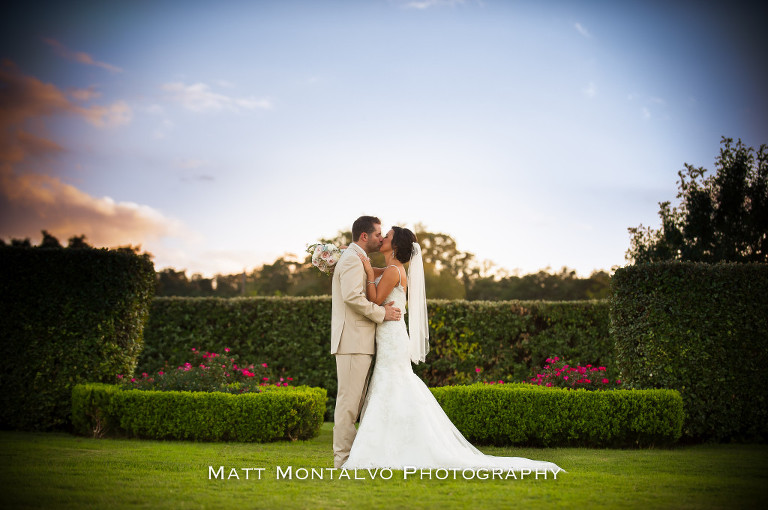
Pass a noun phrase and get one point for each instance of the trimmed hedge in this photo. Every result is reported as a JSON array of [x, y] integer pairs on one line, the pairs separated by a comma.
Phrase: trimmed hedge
[[277, 413], [703, 330], [68, 316], [505, 339], [523, 414]]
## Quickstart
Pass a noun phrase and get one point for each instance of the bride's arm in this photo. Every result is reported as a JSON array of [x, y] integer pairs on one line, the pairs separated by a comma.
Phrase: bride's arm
[[378, 293]]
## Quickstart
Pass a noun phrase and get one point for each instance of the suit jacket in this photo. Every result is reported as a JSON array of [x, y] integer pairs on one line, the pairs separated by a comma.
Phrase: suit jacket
[[353, 317]]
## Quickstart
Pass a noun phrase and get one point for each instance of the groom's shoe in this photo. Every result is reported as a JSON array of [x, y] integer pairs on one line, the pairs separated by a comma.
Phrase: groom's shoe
[[338, 461]]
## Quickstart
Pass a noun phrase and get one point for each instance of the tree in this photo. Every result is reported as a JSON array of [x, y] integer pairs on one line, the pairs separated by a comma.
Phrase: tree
[[721, 218]]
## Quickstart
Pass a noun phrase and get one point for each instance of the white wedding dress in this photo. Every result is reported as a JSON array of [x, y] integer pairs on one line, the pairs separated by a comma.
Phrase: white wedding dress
[[402, 425]]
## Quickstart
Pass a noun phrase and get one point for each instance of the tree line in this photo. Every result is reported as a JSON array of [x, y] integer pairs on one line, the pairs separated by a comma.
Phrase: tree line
[[720, 218]]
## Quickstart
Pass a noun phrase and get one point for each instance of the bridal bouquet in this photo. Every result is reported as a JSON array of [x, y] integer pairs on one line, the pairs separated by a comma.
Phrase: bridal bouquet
[[324, 256]]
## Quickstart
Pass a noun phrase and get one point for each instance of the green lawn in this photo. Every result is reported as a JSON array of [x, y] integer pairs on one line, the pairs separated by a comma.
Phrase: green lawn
[[57, 470]]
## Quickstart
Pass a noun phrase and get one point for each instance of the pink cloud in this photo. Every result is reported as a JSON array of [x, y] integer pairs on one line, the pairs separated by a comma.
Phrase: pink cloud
[[79, 56]]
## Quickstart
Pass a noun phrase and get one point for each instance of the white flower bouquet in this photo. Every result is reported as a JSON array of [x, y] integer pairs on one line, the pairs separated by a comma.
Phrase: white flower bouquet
[[324, 256]]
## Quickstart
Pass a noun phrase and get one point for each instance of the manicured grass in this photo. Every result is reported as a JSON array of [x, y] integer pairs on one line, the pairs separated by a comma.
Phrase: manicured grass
[[57, 470]]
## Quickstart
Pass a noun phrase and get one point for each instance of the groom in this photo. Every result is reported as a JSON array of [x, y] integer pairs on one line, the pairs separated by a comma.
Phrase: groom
[[353, 331]]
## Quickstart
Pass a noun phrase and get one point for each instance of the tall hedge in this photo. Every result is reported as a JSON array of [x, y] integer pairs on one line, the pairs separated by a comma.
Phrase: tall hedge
[[67, 316], [702, 330], [505, 340]]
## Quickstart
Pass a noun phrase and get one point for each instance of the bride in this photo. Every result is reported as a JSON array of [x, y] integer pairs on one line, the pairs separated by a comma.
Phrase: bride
[[401, 424]]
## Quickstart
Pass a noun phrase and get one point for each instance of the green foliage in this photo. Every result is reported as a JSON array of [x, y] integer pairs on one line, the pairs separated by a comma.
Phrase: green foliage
[[523, 414], [68, 316], [700, 329], [721, 218], [506, 340], [449, 274], [562, 286], [276, 413]]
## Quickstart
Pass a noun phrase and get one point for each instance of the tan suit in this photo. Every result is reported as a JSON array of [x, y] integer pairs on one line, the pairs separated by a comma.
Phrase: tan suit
[[353, 334]]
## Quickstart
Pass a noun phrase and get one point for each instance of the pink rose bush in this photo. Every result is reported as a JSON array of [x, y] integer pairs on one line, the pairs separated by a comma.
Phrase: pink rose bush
[[558, 374], [210, 371]]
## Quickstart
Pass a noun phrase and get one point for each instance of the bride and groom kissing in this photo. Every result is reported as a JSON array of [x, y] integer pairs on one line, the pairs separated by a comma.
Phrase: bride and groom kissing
[[401, 423]]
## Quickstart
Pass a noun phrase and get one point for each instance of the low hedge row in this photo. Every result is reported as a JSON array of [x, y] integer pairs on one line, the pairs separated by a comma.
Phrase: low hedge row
[[522, 414], [701, 329], [277, 413], [504, 339]]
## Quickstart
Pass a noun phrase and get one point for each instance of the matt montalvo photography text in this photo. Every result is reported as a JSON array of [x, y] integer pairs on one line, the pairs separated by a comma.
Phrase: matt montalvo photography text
[[408, 473]]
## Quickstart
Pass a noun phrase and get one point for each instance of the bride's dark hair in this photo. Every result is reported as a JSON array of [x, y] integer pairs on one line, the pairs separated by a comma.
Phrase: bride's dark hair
[[402, 243]]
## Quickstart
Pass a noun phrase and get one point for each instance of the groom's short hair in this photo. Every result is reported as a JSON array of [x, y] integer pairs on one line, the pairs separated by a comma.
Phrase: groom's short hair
[[364, 224]]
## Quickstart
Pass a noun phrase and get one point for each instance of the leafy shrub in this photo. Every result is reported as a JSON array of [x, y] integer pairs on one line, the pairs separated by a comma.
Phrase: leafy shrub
[[209, 371], [702, 330], [504, 339], [68, 316], [275, 413], [524, 414]]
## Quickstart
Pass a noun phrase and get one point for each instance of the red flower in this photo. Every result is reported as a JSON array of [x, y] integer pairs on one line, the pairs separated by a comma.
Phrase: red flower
[[605, 381]]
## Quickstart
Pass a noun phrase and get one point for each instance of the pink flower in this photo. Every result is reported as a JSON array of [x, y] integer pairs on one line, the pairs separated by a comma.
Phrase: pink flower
[[160, 373], [226, 349], [133, 379], [549, 384], [281, 379], [265, 378], [264, 365], [602, 369], [501, 382], [555, 359], [290, 378], [193, 349], [605, 381], [565, 377], [119, 376], [248, 374], [144, 374], [234, 365]]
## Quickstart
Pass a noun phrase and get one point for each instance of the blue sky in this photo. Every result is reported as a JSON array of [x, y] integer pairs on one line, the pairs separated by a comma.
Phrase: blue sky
[[221, 135]]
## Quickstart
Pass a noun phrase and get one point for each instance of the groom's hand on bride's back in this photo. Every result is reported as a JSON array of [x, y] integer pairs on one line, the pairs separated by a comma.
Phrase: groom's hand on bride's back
[[391, 313]]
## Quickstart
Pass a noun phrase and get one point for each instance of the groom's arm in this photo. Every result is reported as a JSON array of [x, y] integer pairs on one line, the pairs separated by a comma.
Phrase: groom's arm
[[351, 273]]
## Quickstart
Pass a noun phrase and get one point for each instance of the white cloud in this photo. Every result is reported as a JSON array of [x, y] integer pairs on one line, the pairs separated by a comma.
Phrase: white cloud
[[191, 163], [583, 31], [198, 97], [163, 129]]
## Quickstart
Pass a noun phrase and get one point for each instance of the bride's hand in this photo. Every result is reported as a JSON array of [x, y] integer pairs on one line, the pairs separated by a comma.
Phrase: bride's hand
[[366, 265]]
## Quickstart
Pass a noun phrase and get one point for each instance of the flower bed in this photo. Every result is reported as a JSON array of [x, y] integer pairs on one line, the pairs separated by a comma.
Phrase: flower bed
[[525, 414], [272, 414]]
